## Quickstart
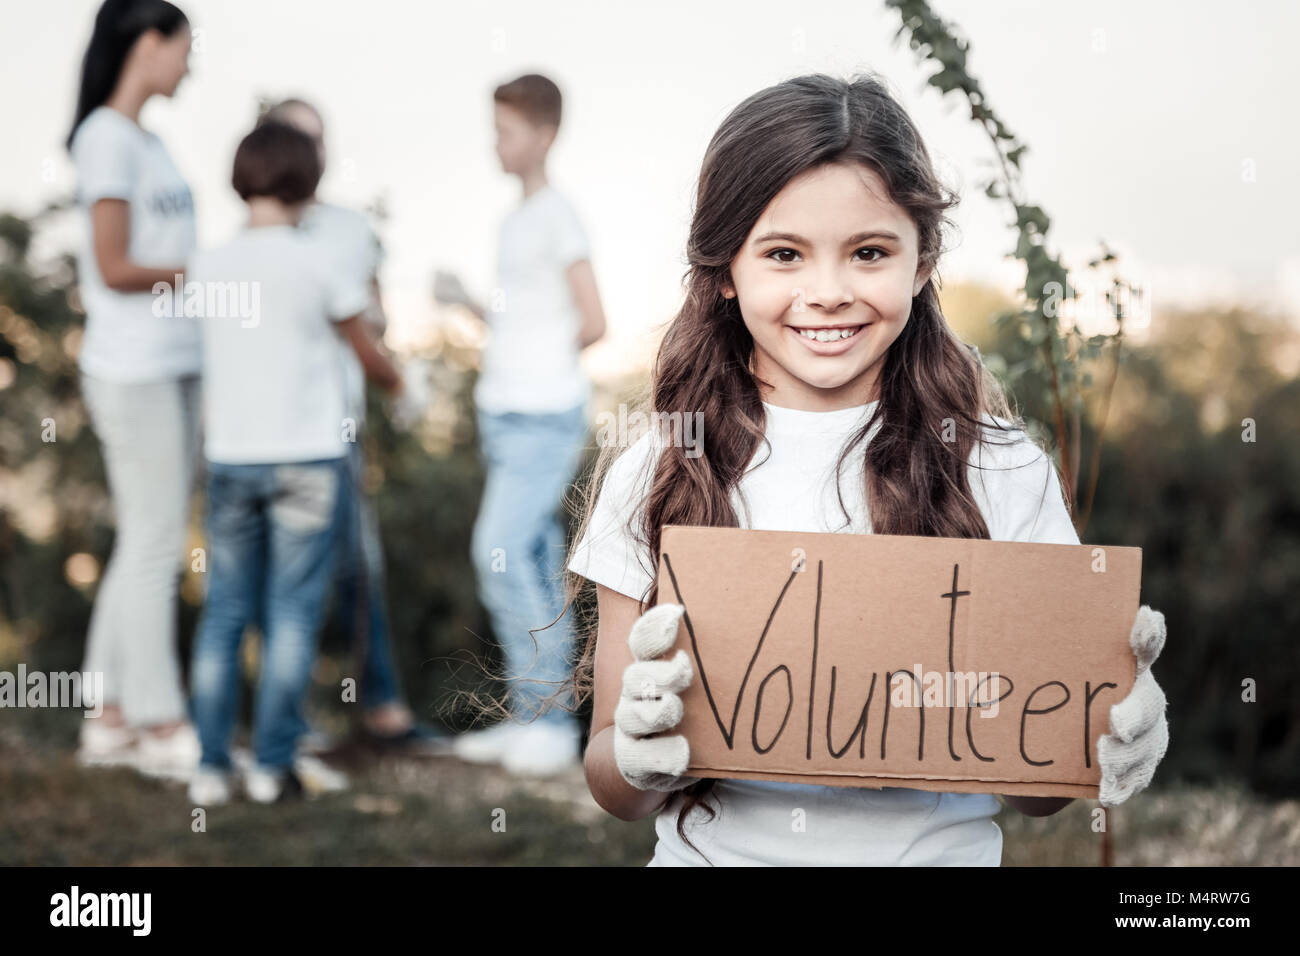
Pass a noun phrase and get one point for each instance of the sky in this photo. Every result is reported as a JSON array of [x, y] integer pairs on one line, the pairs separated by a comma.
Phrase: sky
[[1165, 128]]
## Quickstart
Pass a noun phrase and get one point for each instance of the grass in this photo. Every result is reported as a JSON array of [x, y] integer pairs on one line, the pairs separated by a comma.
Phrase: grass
[[402, 811], [398, 812]]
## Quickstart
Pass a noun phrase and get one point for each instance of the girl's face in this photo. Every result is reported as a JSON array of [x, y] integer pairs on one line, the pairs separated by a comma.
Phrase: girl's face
[[825, 282], [167, 59]]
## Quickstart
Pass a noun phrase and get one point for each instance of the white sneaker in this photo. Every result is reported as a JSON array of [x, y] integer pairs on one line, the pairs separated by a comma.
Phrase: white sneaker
[[103, 745], [209, 787], [542, 750], [488, 745], [243, 760], [173, 757], [317, 776], [268, 785]]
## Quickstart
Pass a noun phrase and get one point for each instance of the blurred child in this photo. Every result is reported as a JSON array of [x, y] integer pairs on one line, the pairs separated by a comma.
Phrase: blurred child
[[531, 398], [347, 242], [276, 434]]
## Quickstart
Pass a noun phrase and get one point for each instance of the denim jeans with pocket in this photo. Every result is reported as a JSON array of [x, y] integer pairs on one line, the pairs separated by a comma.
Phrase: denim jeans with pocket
[[360, 591], [272, 551], [518, 550]]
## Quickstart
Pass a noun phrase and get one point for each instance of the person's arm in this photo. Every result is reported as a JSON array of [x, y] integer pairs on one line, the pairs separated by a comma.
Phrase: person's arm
[[375, 364], [376, 317], [582, 283], [1037, 806], [110, 220], [617, 614]]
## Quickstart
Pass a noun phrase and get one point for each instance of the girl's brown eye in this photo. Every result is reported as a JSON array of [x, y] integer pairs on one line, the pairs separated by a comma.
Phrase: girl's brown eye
[[777, 252]]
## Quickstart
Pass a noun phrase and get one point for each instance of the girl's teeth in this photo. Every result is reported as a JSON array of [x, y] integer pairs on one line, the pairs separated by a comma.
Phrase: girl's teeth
[[827, 335]]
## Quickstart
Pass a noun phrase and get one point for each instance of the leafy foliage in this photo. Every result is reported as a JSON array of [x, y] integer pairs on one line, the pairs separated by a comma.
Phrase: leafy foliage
[[1047, 362]]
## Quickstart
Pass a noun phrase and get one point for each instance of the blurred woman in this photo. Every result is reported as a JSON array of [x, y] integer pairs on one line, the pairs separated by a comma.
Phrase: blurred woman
[[140, 379]]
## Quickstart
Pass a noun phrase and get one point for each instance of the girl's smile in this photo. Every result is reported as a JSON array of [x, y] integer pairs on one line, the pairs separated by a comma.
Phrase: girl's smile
[[828, 339]]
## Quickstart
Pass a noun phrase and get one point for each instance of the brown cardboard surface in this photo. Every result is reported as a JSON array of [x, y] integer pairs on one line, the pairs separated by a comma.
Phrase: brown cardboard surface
[[786, 631]]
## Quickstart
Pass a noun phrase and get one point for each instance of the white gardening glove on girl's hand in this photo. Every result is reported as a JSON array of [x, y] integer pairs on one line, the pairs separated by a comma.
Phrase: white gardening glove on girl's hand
[[650, 704], [1139, 732]]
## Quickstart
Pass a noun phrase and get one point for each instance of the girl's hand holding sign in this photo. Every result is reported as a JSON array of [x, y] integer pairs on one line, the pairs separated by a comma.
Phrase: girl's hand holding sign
[[1139, 731], [650, 705]]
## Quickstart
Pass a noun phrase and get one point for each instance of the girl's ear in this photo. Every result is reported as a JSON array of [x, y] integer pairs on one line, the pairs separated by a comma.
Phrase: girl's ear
[[922, 277]]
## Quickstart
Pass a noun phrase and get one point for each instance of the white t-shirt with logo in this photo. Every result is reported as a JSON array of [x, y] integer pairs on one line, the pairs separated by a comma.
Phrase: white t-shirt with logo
[[531, 363], [348, 244], [1015, 484], [273, 366], [124, 340]]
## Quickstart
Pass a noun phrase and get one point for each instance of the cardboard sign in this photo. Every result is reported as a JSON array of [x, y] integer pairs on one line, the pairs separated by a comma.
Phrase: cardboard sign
[[898, 661]]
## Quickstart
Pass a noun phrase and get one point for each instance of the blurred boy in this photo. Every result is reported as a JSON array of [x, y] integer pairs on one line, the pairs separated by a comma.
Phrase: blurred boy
[[275, 410], [531, 397]]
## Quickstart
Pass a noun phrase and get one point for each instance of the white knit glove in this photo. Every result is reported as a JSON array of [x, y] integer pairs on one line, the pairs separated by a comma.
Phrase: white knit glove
[[1139, 732], [650, 704]]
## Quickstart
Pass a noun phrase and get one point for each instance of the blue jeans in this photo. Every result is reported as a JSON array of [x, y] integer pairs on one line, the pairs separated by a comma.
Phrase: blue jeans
[[359, 584], [361, 607], [272, 548], [518, 550]]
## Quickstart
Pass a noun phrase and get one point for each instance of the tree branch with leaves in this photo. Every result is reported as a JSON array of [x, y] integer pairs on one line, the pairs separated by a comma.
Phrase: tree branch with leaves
[[1047, 346]]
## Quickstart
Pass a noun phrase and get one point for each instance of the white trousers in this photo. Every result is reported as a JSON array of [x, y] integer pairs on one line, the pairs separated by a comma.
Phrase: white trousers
[[149, 436]]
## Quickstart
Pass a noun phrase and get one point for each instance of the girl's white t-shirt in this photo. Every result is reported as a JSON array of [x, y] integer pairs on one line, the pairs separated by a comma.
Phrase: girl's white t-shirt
[[125, 339], [1015, 484]]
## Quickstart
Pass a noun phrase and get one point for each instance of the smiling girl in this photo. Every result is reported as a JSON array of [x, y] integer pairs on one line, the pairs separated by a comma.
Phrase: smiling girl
[[834, 397]]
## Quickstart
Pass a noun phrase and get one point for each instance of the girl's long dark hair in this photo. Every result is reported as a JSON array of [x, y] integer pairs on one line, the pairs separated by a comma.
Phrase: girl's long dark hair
[[118, 25], [937, 400]]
